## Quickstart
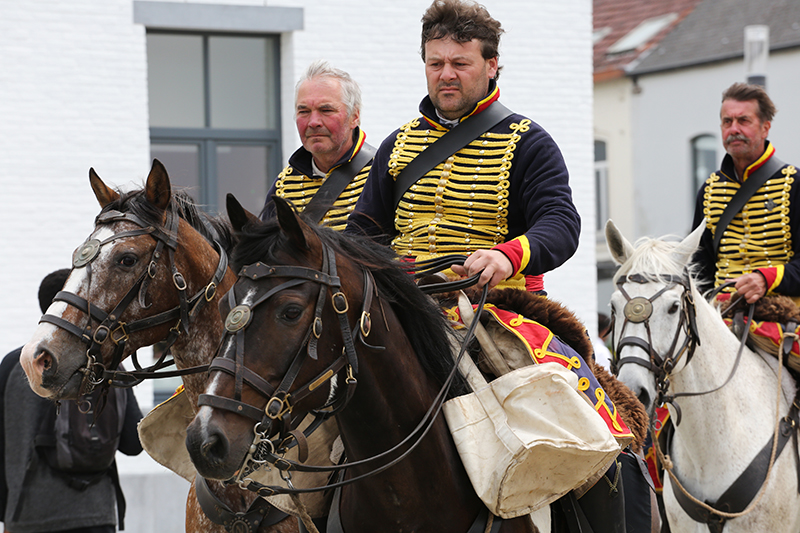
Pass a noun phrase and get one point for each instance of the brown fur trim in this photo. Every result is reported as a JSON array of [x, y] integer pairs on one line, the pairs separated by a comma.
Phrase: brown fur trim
[[773, 308], [569, 329]]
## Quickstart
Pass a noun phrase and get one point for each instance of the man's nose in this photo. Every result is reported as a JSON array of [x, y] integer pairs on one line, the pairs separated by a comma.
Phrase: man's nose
[[315, 119], [448, 72]]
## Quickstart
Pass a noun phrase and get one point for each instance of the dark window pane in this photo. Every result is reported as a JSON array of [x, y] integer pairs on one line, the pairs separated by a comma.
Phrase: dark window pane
[[242, 171], [182, 162], [242, 84], [175, 79]]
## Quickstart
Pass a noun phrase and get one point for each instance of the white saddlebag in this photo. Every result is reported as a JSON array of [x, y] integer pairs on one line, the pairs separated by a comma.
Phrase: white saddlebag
[[528, 437]]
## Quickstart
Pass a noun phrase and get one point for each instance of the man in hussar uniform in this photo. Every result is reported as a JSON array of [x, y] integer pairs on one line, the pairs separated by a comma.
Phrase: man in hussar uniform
[[749, 205], [470, 177], [325, 176]]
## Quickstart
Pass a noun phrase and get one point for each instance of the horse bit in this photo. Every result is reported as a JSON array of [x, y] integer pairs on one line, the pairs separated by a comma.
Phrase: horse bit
[[110, 326]]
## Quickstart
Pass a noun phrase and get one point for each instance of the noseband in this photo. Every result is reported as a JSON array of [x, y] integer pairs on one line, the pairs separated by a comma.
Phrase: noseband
[[110, 326], [638, 310]]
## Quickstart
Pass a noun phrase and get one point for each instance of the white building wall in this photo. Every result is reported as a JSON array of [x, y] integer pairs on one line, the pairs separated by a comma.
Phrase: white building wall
[[612, 124], [674, 107], [73, 95]]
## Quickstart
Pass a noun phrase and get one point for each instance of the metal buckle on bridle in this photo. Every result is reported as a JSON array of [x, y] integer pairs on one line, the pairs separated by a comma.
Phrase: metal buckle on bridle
[[284, 406], [121, 338], [101, 334], [210, 292], [340, 304]]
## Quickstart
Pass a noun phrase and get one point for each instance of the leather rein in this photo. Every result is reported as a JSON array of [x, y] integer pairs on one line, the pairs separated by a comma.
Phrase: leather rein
[[111, 328], [276, 417]]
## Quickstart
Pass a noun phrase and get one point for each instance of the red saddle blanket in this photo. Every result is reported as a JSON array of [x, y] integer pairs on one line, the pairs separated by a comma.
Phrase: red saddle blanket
[[544, 347]]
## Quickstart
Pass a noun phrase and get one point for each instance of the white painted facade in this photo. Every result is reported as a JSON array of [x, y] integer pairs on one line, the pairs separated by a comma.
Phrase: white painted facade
[[73, 95]]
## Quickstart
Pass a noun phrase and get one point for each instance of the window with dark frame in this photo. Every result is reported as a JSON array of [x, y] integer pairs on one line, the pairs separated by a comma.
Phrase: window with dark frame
[[214, 103], [704, 161]]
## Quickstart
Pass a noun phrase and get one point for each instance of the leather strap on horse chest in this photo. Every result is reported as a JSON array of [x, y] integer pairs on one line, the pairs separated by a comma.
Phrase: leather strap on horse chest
[[747, 485]]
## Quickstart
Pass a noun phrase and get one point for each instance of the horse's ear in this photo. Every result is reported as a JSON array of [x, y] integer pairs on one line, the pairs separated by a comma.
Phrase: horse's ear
[[158, 190], [685, 250], [290, 222], [620, 248], [104, 194], [238, 215]]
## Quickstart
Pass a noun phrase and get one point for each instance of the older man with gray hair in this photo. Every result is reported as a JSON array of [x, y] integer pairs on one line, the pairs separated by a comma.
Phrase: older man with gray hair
[[325, 176]]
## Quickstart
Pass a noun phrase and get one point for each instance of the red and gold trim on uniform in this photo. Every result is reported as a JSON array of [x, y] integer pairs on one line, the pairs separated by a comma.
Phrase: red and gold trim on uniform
[[480, 106], [544, 347], [518, 251], [772, 275], [772, 333], [760, 161], [362, 138]]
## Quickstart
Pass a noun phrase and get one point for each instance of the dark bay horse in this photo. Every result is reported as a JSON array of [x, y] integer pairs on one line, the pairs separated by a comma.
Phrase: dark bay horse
[[322, 319], [150, 271]]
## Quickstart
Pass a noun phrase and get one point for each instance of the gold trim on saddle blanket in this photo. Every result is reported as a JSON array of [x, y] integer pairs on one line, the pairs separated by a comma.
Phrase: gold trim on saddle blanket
[[541, 346]]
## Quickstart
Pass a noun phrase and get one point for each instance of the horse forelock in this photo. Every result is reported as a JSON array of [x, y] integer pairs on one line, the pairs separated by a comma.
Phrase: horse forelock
[[655, 260], [213, 229]]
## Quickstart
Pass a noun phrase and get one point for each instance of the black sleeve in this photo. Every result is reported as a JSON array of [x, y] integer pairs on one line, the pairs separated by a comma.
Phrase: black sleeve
[[9, 362], [704, 259], [129, 443]]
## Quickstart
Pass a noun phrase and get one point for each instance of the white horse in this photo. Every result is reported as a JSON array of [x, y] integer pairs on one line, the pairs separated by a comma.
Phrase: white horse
[[726, 410]]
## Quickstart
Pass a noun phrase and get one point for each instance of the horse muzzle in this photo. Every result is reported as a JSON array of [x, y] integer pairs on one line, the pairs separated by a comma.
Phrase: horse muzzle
[[46, 376]]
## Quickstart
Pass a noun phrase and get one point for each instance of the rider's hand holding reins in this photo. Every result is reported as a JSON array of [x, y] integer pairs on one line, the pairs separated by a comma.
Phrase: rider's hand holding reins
[[495, 265], [752, 286]]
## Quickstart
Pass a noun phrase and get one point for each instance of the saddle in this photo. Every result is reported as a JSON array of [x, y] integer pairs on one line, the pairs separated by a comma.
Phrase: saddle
[[776, 319]]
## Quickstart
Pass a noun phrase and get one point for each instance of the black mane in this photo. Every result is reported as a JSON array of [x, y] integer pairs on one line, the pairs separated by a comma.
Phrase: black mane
[[423, 321], [211, 228]]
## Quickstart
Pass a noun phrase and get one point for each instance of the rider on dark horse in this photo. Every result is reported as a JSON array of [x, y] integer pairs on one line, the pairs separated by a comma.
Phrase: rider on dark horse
[[499, 192]]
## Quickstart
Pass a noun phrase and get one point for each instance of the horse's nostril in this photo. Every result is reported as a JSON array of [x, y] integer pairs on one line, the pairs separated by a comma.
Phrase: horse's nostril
[[215, 448]]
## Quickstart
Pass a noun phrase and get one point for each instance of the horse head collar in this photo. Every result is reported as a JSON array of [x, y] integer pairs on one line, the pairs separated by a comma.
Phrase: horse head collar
[[109, 325], [639, 310], [277, 417]]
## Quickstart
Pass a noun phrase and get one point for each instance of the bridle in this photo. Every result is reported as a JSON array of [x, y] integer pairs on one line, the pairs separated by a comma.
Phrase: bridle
[[639, 310], [276, 417], [111, 327], [280, 402]]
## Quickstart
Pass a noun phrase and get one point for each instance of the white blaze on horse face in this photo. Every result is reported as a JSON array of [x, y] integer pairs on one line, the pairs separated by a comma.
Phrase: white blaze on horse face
[[77, 283], [212, 387]]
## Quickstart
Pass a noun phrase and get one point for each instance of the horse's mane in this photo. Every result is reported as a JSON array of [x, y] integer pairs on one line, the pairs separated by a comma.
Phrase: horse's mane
[[211, 228], [422, 320], [654, 259]]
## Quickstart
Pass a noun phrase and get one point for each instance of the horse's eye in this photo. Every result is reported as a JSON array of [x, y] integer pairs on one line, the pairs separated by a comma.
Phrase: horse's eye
[[128, 260], [292, 312], [674, 308]]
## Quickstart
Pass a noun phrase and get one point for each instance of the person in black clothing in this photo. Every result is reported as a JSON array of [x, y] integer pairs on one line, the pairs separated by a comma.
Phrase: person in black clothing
[[49, 502]]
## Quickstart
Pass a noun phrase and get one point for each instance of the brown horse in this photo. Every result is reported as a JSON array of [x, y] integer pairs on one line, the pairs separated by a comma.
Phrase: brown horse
[[291, 349], [150, 271]]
